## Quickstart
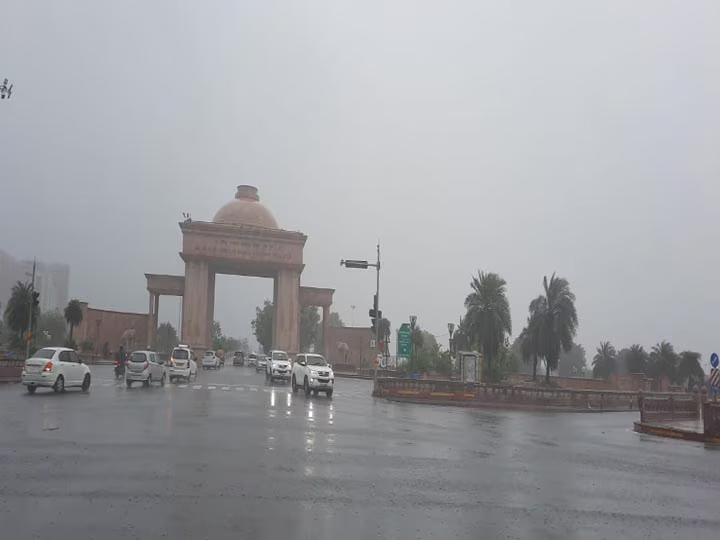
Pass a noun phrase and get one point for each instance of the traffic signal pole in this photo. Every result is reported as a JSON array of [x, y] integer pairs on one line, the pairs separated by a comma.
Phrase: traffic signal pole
[[375, 313], [30, 316], [377, 326]]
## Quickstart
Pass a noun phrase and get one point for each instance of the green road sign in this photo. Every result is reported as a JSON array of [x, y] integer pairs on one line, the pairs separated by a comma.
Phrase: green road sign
[[403, 340]]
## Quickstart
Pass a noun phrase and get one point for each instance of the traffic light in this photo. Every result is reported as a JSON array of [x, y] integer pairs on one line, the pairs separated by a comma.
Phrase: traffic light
[[36, 299]]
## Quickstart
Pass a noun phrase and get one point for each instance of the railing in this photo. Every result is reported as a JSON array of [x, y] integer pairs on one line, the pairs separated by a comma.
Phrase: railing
[[711, 419], [452, 391], [668, 409]]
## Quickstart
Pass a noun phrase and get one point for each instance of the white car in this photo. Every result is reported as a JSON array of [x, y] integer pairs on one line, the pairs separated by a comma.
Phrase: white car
[[312, 373], [277, 366], [182, 364], [145, 367], [210, 360], [57, 368]]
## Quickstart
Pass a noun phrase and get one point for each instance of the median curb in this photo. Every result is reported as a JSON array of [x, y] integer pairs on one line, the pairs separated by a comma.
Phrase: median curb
[[500, 405], [673, 433]]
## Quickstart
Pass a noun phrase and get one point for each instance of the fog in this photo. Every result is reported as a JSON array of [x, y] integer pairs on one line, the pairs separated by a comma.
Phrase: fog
[[516, 137]]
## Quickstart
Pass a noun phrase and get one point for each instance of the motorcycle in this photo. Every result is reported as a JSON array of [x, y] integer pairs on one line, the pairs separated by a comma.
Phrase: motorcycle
[[119, 369]]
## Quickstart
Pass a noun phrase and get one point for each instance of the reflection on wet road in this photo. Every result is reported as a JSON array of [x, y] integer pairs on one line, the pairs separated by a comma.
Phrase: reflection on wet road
[[228, 456]]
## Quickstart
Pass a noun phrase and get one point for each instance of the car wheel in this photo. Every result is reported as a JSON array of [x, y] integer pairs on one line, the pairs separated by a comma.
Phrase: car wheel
[[294, 385], [329, 393], [307, 387], [31, 389], [59, 385], [128, 384], [316, 392], [147, 382], [162, 380], [86, 383]]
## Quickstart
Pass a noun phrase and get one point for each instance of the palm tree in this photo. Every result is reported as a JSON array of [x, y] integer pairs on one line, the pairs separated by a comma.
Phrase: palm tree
[[416, 337], [531, 336], [559, 321], [73, 315], [636, 359], [17, 311], [663, 361], [689, 369], [488, 314], [604, 361]]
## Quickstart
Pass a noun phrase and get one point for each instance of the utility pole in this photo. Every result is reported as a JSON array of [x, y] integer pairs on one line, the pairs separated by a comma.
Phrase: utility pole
[[30, 315], [375, 313]]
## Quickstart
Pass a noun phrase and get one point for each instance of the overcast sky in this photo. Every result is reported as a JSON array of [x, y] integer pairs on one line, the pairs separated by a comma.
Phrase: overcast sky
[[519, 137]]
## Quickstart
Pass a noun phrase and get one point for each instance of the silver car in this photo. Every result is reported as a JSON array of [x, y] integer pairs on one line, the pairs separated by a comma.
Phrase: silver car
[[145, 367]]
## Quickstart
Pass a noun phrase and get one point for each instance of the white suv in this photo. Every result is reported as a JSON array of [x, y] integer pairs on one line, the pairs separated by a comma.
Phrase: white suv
[[57, 368], [182, 363], [277, 366], [210, 360], [145, 367], [312, 373]]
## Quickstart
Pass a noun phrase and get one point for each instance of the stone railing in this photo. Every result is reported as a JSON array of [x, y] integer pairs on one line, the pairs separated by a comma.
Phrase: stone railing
[[669, 409], [461, 392], [10, 369]]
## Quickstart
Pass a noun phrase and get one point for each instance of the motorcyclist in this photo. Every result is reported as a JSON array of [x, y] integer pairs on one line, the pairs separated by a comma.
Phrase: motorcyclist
[[120, 359]]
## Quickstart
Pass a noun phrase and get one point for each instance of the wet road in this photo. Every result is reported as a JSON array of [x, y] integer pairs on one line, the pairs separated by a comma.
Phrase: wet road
[[229, 457]]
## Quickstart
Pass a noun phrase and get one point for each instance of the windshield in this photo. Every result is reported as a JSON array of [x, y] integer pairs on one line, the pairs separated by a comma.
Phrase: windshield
[[209, 353], [280, 356], [316, 361], [181, 354], [44, 353], [137, 357]]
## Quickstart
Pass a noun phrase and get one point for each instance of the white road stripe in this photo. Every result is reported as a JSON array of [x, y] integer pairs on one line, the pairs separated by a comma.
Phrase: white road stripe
[[212, 387], [197, 387], [226, 388]]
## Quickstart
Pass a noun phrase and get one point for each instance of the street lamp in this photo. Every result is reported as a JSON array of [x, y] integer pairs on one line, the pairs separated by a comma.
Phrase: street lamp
[[375, 313]]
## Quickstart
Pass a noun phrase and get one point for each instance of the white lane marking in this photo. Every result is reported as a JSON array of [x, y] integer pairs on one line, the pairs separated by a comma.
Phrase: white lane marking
[[240, 388], [212, 387], [197, 387], [253, 389], [226, 388], [182, 385]]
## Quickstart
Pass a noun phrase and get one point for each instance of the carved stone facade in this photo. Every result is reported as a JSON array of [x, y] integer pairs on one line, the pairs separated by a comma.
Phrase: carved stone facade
[[242, 240]]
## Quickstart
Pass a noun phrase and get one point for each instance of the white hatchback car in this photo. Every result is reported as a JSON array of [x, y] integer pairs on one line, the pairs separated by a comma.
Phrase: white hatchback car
[[145, 367], [57, 368], [182, 364], [210, 360]]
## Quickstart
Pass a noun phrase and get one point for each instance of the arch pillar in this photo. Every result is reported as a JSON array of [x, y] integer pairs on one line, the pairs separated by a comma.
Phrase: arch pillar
[[287, 311], [195, 309]]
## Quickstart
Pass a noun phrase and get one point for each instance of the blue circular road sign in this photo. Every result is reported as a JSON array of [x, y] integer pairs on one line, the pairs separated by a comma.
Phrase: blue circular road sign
[[714, 360]]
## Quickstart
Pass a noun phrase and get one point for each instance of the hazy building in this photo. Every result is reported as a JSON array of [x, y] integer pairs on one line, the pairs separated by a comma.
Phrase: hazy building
[[52, 281]]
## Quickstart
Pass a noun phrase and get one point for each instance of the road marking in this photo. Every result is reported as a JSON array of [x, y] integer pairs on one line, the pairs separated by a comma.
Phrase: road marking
[[226, 388], [253, 389], [197, 387], [240, 388], [212, 387], [182, 385]]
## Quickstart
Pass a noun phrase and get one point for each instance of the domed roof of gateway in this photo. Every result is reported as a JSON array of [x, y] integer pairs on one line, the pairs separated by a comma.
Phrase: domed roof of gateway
[[246, 209]]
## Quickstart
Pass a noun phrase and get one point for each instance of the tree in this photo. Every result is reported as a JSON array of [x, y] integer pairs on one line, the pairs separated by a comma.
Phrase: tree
[[636, 359], [217, 339], [604, 361], [335, 320], [416, 338], [51, 329], [384, 329], [559, 321], [73, 315], [488, 314], [663, 361], [689, 370], [531, 336], [572, 363], [167, 338], [87, 345], [262, 325], [17, 313]]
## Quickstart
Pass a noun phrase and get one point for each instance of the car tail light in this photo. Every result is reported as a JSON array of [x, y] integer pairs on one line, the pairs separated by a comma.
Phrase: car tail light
[[146, 365], [48, 366], [170, 363]]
